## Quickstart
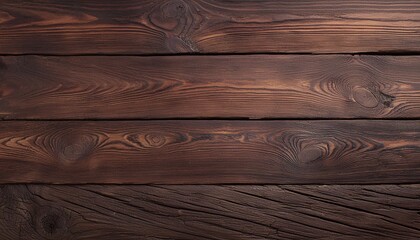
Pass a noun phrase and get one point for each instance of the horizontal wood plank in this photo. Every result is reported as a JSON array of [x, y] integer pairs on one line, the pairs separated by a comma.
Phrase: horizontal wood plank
[[257, 86], [210, 212], [210, 152], [207, 26]]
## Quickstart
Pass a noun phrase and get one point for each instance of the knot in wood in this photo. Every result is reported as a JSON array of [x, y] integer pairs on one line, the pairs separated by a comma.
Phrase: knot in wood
[[51, 223], [73, 152], [365, 97], [76, 149], [174, 9], [311, 154], [154, 139], [169, 15]]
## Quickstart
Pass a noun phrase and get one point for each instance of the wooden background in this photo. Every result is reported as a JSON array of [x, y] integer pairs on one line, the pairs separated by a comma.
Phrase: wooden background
[[209, 119]]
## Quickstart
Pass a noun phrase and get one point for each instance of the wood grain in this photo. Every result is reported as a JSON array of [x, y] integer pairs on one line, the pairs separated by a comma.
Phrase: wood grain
[[210, 26], [260, 86], [210, 152], [210, 212]]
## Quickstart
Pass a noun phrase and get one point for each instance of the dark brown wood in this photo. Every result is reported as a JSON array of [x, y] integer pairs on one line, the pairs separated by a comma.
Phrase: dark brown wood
[[210, 26], [261, 86], [210, 212], [339, 119], [210, 152]]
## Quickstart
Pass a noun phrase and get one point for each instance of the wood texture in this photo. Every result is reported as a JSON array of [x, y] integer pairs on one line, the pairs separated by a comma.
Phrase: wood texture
[[210, 212], [260, 86], [187, 26], [210, 152], [66, 64]]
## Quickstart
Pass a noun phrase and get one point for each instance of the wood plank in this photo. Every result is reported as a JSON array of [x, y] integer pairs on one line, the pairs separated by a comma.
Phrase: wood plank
[[210, 152], [257, 86], [207, 26], [210, 212]]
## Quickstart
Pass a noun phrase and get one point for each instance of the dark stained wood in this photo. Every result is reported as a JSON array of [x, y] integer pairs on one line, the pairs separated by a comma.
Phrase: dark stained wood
[[159, 75], [210, 152], [210, 26], [210, 212], [260, 86]]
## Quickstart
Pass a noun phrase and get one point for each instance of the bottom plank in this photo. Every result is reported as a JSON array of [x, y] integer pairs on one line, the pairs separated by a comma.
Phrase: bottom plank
[[209, 212]]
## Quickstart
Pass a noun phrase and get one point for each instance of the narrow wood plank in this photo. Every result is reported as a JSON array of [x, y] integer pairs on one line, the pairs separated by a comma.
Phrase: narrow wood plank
[[260, 86], [207, 26], [210, 152], [210, 212]]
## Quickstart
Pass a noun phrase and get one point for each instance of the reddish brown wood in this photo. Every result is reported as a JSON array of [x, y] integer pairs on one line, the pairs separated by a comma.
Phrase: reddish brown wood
[[52, 90], [207, 26], [261, 86], [210, 152], [210, 212]]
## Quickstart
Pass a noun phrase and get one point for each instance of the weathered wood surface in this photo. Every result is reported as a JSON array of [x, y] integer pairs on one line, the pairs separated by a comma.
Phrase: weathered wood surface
[[210, 26], [210, 212], [210, 152], [261, 86], [45, 83]]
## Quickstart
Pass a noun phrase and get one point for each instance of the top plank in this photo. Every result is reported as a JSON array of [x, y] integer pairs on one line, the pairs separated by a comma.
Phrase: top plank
[[208, 26]]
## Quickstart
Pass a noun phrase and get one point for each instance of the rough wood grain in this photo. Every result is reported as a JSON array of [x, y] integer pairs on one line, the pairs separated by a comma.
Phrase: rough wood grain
[[210, 212], [210, 26], [210, 152], [260, 86]]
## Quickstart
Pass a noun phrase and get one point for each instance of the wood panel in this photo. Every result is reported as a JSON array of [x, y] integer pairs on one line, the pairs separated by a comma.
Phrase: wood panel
[[210, 26], [210, 212], [210, 152], [260, 86]]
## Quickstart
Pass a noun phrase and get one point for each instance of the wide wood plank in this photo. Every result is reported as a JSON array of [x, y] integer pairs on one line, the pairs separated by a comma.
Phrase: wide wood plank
[[207, 26], [260, 86], [210, 152], [210, 212]]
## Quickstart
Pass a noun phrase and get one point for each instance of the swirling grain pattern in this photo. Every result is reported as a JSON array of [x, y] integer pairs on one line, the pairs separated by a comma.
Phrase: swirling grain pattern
[[260, 86], [210, 212], [207, 26], [131, 94], [210, 152]]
